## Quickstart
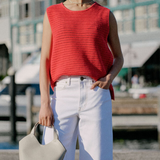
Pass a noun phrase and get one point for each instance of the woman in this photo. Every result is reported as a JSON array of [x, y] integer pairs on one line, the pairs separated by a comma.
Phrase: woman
[[77, 62]]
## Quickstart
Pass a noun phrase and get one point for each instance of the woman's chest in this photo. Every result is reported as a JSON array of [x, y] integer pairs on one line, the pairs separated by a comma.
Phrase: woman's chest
[[86, 24]]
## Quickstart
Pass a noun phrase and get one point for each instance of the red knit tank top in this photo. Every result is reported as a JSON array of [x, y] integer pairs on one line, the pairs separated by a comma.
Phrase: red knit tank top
[[79, 42]]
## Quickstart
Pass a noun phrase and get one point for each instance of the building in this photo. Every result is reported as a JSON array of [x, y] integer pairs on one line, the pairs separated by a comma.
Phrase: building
[[26, 27], [4, 23], [5, 42], [139, 32], [4, 60]]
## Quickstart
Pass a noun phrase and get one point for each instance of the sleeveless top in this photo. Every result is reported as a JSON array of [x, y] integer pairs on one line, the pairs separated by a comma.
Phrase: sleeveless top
[[79, 42]]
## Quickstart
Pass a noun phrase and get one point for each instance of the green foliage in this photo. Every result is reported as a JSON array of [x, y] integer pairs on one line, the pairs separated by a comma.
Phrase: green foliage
[[2, 77]]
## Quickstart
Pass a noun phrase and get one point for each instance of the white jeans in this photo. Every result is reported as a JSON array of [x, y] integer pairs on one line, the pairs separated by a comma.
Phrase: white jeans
[[84, 113]]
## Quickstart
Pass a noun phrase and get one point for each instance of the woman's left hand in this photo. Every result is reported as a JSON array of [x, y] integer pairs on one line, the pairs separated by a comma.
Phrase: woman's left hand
[[103, 82]]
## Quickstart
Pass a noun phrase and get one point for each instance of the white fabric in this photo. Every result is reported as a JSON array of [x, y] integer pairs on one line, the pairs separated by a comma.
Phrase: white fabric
[[80, 111]]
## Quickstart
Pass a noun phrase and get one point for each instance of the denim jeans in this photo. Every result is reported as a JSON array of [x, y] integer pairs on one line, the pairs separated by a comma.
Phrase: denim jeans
[[84, 113]]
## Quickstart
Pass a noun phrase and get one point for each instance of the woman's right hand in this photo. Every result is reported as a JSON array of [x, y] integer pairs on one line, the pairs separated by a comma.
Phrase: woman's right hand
[[46, 117]]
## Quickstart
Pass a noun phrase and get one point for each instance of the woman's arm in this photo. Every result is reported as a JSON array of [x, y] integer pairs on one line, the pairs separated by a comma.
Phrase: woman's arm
[[46, 115], [114, 43]]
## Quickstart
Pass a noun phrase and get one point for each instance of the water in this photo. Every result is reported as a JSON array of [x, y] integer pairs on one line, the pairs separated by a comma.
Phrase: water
[[127, 140], [126, 144], [135, 144], [136, 139], [9, 145], [5, 142]]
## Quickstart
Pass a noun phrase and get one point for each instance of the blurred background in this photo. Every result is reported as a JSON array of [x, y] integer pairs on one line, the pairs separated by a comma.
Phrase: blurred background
[[136, 109]]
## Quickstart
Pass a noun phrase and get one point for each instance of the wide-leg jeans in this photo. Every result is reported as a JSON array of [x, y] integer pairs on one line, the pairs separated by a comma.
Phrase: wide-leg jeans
[[84, 113]]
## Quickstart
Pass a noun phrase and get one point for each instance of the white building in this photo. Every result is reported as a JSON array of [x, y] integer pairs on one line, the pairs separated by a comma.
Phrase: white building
[[139, 32], [4, 23], [26, 27]]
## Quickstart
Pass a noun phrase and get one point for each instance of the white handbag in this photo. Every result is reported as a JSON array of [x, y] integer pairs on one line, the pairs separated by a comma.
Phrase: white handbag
[[31, 149]]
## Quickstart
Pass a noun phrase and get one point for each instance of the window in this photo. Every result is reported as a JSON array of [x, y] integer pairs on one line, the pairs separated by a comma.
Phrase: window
[[13, 9], [39, 30], [141, 18], [57, 1], [114, 3], [153, 10], [24, 10], [0, 11], [39, 8], [124, 20], [120, 27], [124, 1], [137, 1], [127, 20], [146, 17], [152, 23], [127, 26], [26, 34], [141, 25], [141, 11], [4, 9], [127, 14], [153, 16], [118, 15]]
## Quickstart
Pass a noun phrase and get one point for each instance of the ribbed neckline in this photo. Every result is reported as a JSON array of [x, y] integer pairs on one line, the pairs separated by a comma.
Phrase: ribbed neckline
[[79, 10]]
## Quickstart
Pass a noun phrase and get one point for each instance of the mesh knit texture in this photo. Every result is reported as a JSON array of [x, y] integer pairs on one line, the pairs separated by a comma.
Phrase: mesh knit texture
[[79, 42]]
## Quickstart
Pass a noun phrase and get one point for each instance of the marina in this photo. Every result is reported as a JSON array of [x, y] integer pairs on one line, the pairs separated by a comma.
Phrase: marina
[[131, 128]]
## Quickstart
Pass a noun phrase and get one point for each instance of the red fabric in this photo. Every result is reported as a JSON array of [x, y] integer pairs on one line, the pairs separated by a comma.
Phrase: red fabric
[[79, 42]]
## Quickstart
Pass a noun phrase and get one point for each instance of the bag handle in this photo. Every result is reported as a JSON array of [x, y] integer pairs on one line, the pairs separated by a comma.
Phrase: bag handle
[[35, 126]]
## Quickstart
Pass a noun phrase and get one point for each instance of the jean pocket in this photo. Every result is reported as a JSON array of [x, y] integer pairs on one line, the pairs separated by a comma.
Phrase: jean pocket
[[60, 85], [106, 90]]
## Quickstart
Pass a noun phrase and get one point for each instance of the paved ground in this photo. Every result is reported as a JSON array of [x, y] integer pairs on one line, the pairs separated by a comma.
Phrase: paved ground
[[117, 155]]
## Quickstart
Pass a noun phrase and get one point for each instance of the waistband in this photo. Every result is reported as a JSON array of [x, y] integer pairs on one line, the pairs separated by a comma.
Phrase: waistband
[[75, 78], [68, 79]]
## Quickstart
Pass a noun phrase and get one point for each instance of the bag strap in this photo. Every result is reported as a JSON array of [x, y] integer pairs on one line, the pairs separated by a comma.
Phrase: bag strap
[[35, 126]]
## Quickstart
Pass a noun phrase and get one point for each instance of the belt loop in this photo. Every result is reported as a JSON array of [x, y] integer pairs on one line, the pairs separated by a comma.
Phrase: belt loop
[[91, 81], [69, 80]]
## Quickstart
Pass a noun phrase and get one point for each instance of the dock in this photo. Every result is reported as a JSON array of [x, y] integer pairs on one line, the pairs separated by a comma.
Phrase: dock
[[118, 122], [127, 113]]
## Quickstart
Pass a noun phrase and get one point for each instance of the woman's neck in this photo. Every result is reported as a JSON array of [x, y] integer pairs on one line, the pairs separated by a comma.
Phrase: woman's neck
[[80, 2]]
